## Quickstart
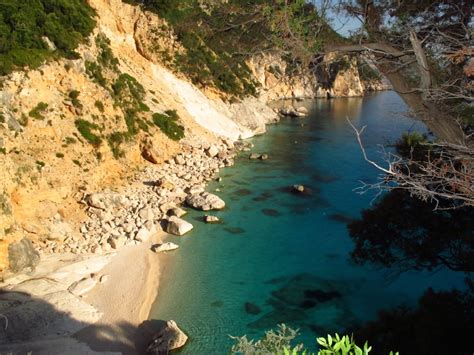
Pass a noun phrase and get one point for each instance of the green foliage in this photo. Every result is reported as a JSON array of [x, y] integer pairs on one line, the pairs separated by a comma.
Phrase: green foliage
[[366, 72], [168, 125], [5, 205], [115, 140], [23, 24], [413, 145], [74, 96], [99, 105], [59, 155], [280, 341], [38, 110], [344, 345], [86, 129], [70, 140]]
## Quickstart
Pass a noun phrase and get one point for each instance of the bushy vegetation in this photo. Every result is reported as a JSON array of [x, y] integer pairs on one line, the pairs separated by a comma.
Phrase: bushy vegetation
[[23, 24], [280, 342], [129, 95], [38, 110], [87, 129], [168, 124]]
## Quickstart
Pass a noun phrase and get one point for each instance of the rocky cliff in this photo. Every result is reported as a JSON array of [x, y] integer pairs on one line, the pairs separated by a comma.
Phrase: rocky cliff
[[76, 126]]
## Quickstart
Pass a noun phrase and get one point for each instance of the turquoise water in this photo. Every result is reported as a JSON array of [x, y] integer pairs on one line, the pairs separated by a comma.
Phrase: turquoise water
[[275, 249]]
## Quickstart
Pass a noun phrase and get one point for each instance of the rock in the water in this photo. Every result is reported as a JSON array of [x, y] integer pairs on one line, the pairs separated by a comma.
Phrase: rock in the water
[[302, 110], [205, 201], [211, 219], [252, 308], [263, 157], [80, 287], [178, 226], [22, 255], [299, 188], [168, 338], [254, 156], [159, 248]]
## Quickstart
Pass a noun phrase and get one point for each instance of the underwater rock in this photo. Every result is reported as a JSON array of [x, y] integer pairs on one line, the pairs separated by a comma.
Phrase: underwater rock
[[271, 212], [252, 308]]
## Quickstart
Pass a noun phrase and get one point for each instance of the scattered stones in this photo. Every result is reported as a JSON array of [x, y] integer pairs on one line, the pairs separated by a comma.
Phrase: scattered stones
[[205, 201], [211, 219], [159, 248], [146, 214], [178, 226], [170, 337]]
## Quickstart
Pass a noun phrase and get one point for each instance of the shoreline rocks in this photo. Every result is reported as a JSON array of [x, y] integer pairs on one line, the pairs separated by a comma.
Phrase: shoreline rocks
[[211, 219], [164, 247], [170, 337], [178, 226]]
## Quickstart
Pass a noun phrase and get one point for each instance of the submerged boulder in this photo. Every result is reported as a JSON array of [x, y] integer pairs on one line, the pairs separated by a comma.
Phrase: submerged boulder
[[170, 337], [205, 201]]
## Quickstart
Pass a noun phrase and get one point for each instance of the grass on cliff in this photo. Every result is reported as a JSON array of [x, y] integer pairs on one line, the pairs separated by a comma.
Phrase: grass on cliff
[[24, 24]]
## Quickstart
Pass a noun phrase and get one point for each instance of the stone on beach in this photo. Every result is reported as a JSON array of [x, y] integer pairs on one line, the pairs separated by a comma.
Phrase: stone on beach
[[159, 248], [178, 212], [144, 233], [205, 201], [178, 226], [22, 255], [170, 337]]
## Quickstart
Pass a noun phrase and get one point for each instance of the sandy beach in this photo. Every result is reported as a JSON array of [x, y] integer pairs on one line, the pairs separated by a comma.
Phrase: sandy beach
[[125, 299]]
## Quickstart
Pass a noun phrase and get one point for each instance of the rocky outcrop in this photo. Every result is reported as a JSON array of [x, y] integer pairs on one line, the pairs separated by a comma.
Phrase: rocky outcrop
[[170, 337]]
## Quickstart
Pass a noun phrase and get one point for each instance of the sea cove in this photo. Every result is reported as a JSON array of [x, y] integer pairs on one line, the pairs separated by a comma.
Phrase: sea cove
[[247, 274]]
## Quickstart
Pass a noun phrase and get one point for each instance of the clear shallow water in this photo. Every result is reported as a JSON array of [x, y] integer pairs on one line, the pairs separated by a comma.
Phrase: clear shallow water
[[287, 256]]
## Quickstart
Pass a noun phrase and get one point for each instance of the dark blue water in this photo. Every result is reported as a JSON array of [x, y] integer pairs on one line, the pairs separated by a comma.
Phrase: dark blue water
[[274, 246]]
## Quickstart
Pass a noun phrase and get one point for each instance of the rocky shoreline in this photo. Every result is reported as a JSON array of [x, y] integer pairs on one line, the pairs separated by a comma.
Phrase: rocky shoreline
[[72, 262]]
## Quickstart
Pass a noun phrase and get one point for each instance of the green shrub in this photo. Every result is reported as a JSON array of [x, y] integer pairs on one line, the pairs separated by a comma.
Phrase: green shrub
[[99, 105], [23, 24], [115, 140], [70, 140], [38, 110], [74, 96], [167, 123], [86, 129], [77, 162], [59, 155]]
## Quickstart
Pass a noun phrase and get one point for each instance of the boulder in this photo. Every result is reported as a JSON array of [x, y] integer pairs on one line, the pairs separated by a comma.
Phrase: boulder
[[211, 219], [149, 152], [170, 337], [22, 255], [212, 151], [178, 212], [302, 110], [105, 201], [117, 243], [179, 159], [159, 248], [178, 226], [205, 201], [254, 156], [146, 214], [299, 188], [144, 234]]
